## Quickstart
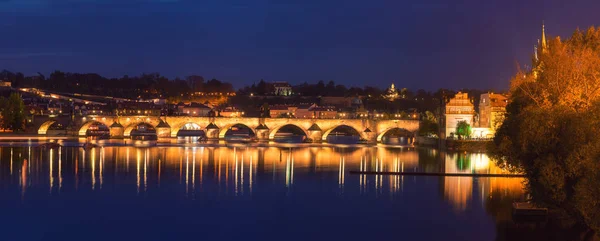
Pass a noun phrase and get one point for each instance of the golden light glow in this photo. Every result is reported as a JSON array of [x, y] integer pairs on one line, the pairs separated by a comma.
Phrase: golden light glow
[[235, 170]]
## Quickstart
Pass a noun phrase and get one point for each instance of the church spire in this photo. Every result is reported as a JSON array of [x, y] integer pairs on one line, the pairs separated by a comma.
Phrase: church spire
[[543, 44]]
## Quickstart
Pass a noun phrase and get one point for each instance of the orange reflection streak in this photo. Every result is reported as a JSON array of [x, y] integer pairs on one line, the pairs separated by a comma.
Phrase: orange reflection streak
[[277, 162], [93, 156], [23, 182], [145, 170], [11, 161], [242, 174], [219, 170], [127, 160], [287, 171], [250, 180], [101, 166], [49, 173], [194, 170], [187, 169], [28, 158], [138, 160], [83, 162], [180, 167], [201, 164], [236, 171], [159, 165], [60, 179]]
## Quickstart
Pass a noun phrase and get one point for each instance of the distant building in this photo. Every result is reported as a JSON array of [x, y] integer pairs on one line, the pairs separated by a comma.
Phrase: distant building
[[323, 112], [231, 112], [282, 111], [195, 109], [159, 101], [492, 108], [139, 108], [282, 89], [391, 93], [303, 111], [458, 109], [5, 84]]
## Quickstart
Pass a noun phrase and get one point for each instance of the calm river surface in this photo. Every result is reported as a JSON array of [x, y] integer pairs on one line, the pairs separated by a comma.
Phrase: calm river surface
[[249, 193]]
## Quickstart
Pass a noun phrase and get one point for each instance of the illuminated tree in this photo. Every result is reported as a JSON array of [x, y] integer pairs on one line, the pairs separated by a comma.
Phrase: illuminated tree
[[463, 129], [551, 127], [429, 125]]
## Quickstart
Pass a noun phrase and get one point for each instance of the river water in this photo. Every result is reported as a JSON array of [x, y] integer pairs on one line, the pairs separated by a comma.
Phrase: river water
[[249, 193]]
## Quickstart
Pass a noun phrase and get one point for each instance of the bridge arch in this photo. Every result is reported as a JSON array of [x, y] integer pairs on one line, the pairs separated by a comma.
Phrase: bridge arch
[[129, 128], [86, 126], [275, 130], [326, 133], [45, 126], [223, 131], [403, 132], [189, 129]]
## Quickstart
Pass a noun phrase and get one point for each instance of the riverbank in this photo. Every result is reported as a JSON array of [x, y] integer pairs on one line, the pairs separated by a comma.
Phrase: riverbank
[[454, 145]]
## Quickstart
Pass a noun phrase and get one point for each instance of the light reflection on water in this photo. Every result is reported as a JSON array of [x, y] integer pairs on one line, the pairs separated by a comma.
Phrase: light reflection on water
[[194, 173], [234, 169]]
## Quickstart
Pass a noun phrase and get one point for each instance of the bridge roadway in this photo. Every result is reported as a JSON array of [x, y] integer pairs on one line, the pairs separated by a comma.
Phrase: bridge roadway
[[372, 130]]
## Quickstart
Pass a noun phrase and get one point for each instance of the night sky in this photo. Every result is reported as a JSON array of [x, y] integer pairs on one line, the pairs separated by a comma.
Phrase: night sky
[[415, 44]]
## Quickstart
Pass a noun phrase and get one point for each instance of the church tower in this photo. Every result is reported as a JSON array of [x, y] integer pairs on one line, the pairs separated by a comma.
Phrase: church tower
[[544, 44], [543, 47]]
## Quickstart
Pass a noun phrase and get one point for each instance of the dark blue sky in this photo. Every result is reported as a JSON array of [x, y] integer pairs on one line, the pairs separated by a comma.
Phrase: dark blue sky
[[426, 44]]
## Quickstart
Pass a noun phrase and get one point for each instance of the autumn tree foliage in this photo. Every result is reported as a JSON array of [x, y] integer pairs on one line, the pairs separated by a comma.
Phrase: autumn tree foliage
[[552, 128]]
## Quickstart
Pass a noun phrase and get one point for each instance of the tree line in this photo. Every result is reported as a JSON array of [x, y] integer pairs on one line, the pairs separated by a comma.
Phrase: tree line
[[151, 85]]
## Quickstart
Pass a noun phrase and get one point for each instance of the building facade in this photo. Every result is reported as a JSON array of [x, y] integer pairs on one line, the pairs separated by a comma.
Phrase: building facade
[[492, 108], [195, 109], [282, 111], [282, 89], [460, 108]]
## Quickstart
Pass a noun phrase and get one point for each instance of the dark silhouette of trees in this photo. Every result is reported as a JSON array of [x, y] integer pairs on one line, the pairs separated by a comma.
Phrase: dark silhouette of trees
[[147, 85]]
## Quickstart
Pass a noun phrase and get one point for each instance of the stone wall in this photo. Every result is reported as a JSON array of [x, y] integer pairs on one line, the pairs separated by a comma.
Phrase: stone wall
[[427, 141], [371, 130], [467, 145]]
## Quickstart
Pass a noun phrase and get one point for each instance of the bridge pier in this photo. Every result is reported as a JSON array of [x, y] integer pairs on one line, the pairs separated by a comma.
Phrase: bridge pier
[[262, 134], [116, 130], [163, 130], [371, 137], [212, 134]]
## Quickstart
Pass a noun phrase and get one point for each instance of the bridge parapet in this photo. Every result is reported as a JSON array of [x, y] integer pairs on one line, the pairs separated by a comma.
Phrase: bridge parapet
[[216, 127]]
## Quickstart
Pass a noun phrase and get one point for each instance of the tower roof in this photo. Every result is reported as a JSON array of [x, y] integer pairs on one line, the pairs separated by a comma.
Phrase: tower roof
[[543, 44]]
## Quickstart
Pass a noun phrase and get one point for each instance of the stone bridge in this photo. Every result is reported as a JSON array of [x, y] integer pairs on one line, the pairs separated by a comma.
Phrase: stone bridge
[[216, 127]]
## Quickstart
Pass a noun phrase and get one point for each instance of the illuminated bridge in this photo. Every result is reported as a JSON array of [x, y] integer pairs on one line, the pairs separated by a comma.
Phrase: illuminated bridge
[[318, 130]]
